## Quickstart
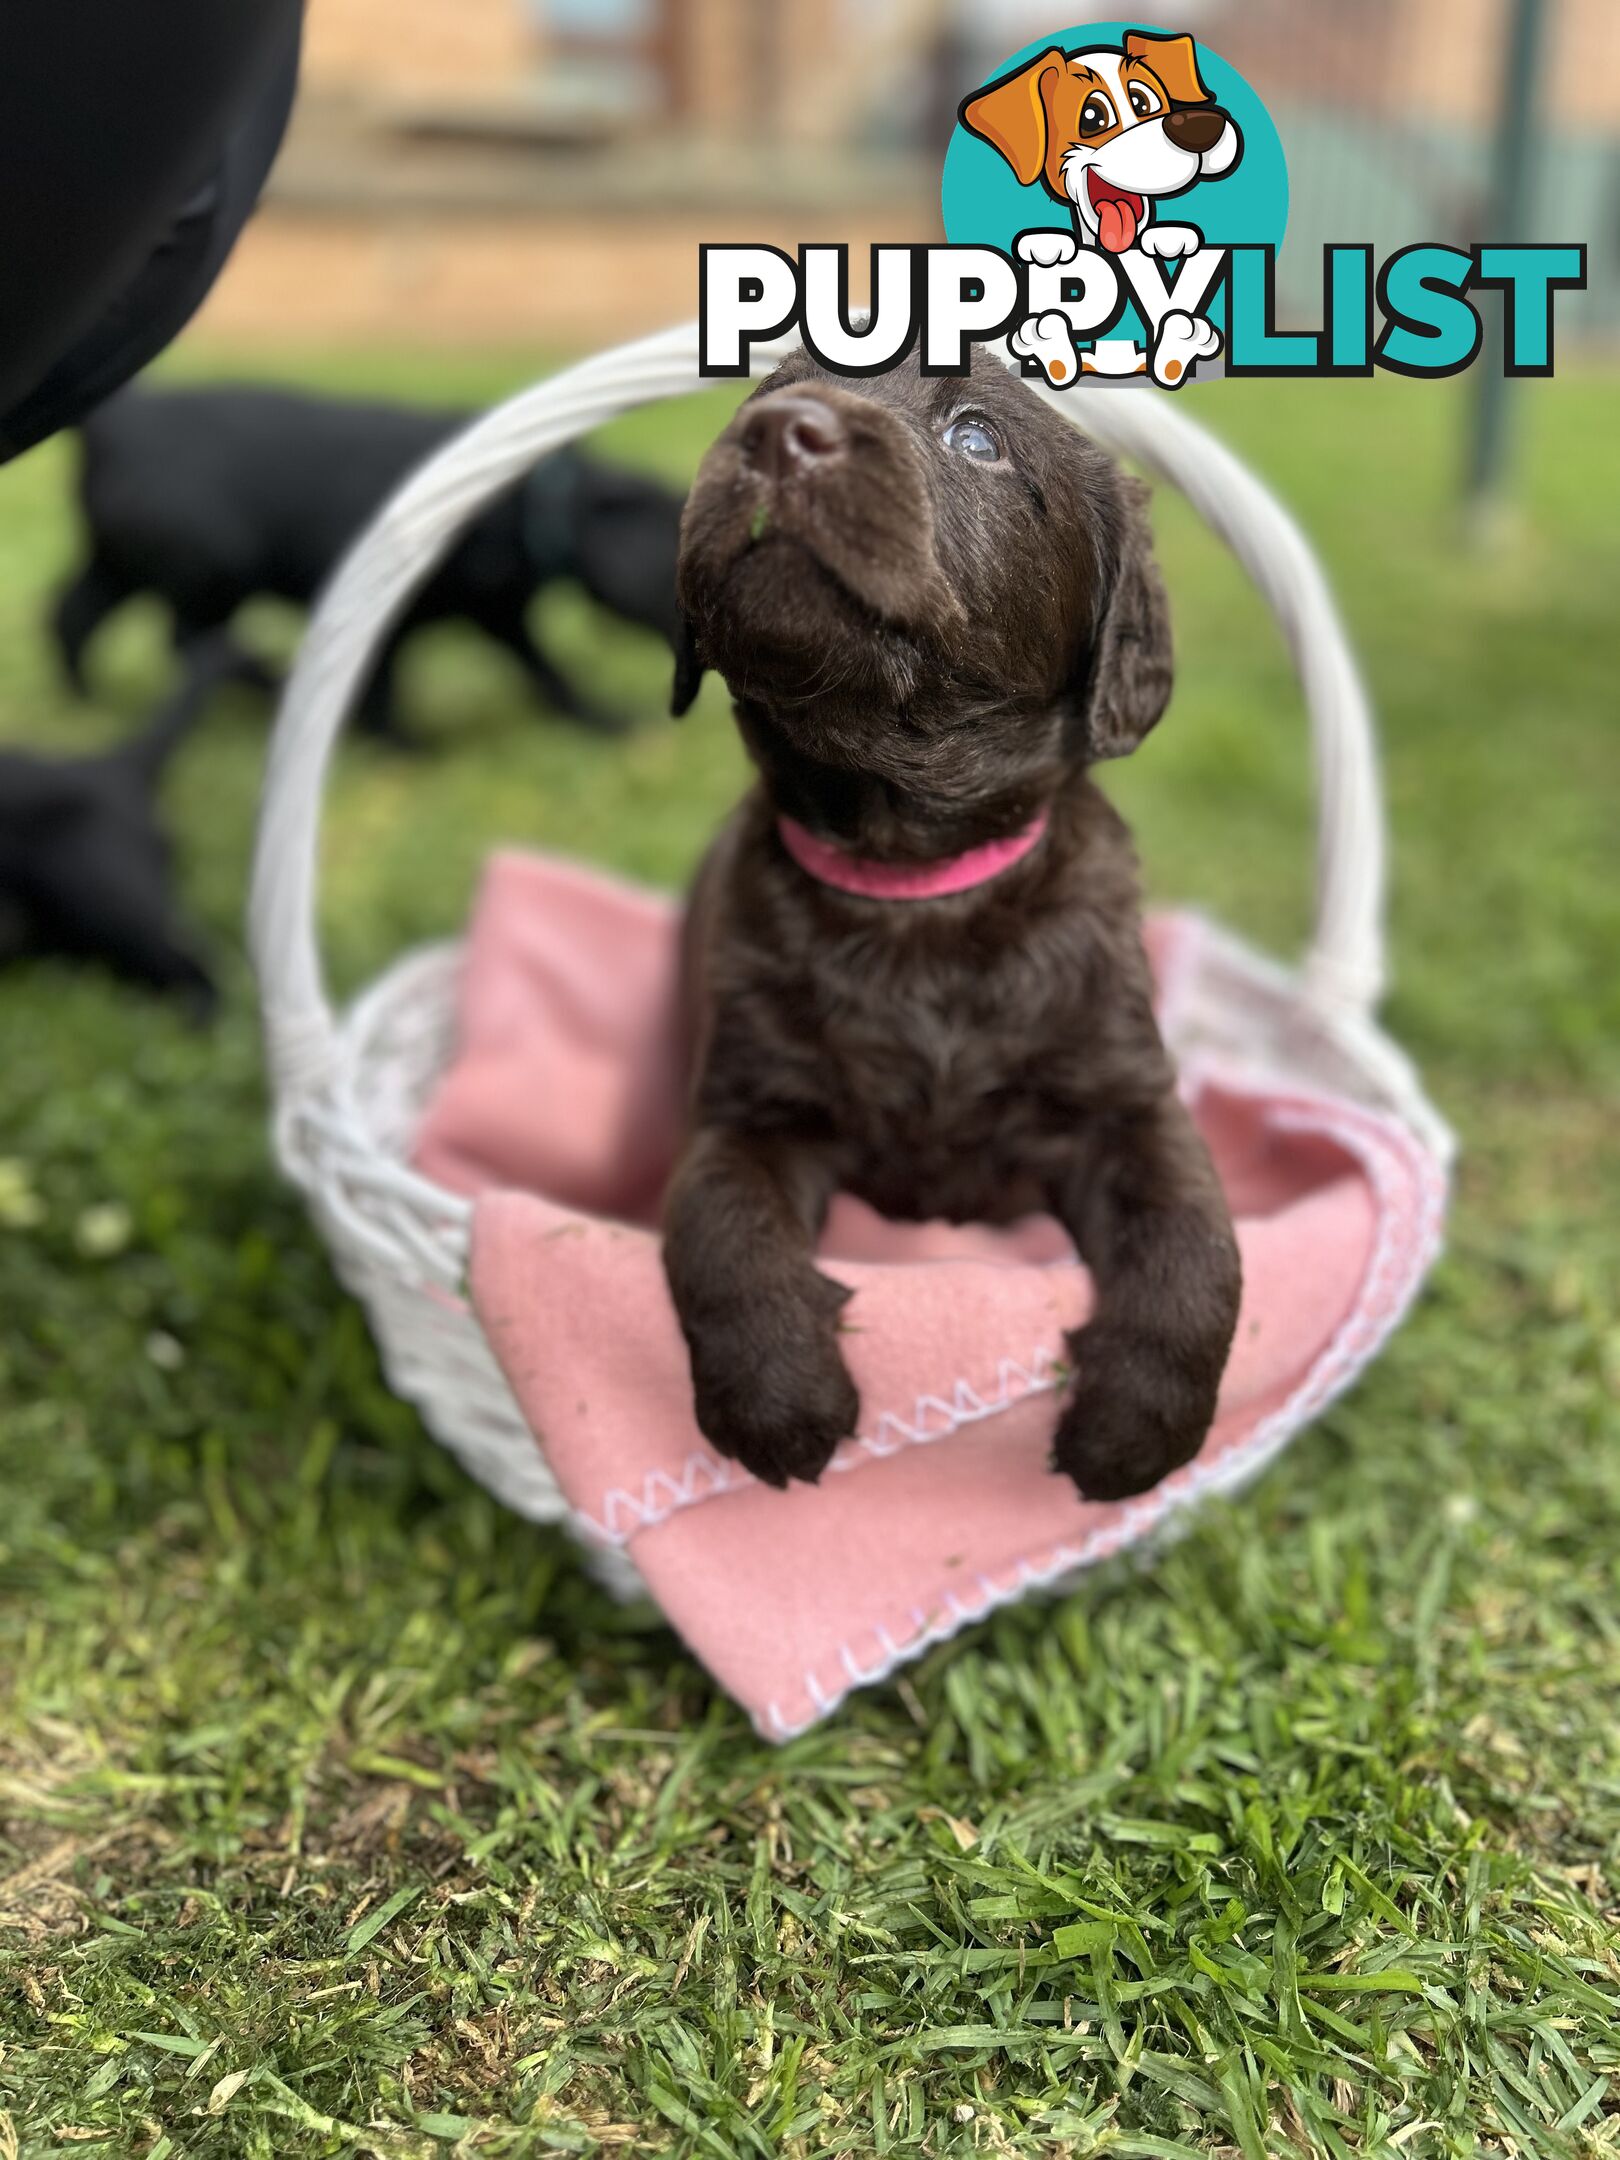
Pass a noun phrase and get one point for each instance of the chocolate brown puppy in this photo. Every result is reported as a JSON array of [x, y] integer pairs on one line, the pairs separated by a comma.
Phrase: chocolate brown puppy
[[935, 605]]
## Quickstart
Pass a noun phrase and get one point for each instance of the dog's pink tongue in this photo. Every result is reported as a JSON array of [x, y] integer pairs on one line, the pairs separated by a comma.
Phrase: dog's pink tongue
[[1116, 224]]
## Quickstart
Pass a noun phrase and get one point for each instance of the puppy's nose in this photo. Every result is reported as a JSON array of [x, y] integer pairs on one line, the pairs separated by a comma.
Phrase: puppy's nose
[[792, 433], [1196, 128]]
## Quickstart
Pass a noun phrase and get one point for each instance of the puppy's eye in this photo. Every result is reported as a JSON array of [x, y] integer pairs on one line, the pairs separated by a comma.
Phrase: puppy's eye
[[1143, 102], [974, 439], [1096, 114]]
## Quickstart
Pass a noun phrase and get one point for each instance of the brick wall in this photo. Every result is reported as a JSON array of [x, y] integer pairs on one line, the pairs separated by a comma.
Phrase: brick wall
[[418, 48], [1436, 60]]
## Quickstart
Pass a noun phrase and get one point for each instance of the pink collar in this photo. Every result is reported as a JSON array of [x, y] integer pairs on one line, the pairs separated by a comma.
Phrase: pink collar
[[906, 881]]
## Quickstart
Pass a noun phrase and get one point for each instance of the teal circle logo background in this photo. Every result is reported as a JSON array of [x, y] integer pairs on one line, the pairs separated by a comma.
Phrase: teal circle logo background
[[984, 205]]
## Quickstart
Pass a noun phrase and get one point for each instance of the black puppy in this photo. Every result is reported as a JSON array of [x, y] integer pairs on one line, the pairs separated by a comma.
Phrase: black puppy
[[211, 497], [84, 864]]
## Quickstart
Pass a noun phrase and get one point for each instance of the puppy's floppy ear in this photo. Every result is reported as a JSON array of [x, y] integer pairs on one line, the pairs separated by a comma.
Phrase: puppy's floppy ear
[[688, 670], [1174, 60], [1011, 116], [1128, 684]]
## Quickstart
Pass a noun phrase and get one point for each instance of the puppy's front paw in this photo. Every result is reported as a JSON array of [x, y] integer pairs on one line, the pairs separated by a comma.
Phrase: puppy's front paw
[[1170, 242], [1136, 1413], [1048, 246], [773, 1392]]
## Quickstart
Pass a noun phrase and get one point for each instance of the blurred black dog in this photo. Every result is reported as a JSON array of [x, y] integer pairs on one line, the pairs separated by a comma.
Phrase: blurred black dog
[[211, 497], [84, 864]]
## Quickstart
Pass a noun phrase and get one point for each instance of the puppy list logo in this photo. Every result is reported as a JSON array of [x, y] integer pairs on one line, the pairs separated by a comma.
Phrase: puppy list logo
[[1123, 135], [1114, 199]]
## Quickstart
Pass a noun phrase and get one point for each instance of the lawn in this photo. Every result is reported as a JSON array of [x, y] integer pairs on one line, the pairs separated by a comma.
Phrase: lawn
[[341, 1814]]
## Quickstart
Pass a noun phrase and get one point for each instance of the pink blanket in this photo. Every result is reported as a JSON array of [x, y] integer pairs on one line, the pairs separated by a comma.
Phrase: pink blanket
[[560, 1115]]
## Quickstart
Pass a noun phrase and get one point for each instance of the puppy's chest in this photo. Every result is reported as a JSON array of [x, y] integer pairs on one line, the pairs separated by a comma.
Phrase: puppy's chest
[[925, 1050], [946, 1078], [936, 1124]]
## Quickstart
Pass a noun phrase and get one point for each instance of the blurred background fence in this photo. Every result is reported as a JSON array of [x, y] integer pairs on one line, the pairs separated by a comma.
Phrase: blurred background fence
[[461, 167]]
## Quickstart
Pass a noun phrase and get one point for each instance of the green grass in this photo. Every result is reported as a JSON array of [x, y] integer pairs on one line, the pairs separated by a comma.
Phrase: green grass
[[340, 1814]]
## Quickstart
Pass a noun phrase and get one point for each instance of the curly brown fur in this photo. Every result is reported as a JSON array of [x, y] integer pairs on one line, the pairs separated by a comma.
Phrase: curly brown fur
[[925, 650]]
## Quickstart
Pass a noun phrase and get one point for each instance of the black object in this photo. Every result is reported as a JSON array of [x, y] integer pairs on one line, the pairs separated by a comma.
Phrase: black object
[[135, 136], [209, 497], [85, 867]]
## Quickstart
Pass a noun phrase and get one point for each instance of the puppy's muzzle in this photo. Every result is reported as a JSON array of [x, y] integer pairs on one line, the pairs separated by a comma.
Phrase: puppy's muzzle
[[792, 433], [814, 496]]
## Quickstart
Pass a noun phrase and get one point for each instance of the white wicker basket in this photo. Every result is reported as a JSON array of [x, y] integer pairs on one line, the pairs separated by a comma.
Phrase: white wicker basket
[[349, 1089]]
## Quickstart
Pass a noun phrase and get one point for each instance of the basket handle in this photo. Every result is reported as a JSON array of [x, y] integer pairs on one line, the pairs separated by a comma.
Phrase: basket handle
[[1343, 968]]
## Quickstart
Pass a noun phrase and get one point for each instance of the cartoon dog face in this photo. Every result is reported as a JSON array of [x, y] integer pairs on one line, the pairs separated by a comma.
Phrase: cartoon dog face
[[1106, 131]]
